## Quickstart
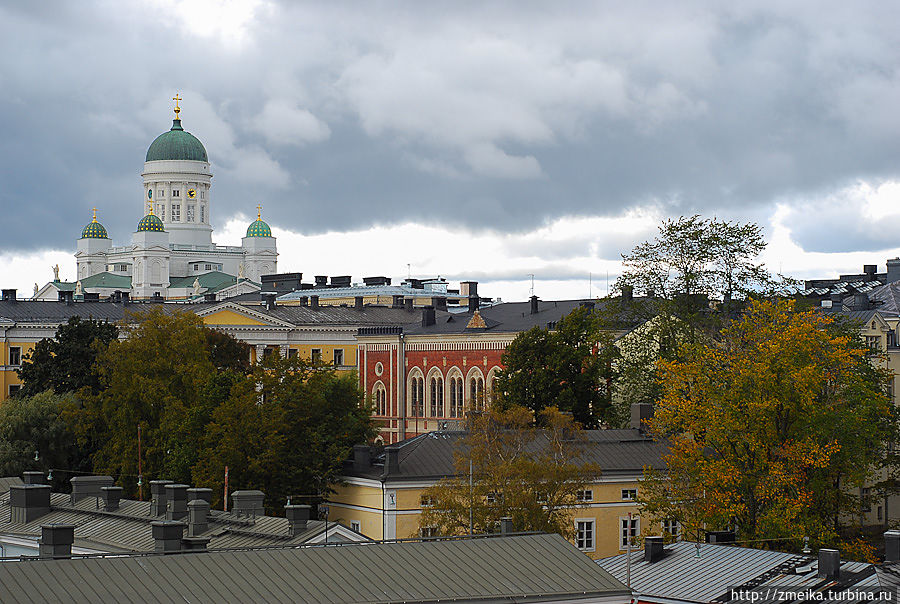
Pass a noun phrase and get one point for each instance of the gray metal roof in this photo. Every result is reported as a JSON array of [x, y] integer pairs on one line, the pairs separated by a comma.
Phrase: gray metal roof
[[516, 317], [6, 482], [430, 455], [499, 569], [128, 528], [681, 575]]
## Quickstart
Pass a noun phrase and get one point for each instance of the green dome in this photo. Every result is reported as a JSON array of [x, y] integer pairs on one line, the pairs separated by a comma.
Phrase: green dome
[[94, 230], [258, 228], [176, 144], [151, 222]]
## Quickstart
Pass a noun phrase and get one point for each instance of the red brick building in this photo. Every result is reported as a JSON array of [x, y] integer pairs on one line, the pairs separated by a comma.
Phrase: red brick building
[[429, 374]]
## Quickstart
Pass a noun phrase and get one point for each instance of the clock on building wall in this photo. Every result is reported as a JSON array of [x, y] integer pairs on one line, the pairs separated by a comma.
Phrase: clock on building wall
[[191, 193]]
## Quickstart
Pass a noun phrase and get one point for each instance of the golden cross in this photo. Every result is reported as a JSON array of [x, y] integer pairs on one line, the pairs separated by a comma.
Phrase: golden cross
[[259, 212], [95, 214], [177, 98]]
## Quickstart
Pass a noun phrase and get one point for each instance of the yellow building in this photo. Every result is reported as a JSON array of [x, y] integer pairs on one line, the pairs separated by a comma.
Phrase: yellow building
[[382, 494], [327, 334]]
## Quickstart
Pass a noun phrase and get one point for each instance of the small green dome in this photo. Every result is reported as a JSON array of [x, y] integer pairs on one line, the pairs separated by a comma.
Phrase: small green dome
[[176, 144], [94, 230], [258, 228], [151, 222]]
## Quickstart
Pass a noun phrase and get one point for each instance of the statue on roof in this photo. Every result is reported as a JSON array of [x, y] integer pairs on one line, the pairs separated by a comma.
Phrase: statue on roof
[[79, 290], [35, 289], [241, 271], [196, 286], [55, 272]]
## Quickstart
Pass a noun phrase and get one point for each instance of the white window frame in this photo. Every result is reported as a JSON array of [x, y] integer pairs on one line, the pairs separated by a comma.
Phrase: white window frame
[[586, 541], [176, 193], [584, 496], [176, 212], [338, 352], [355, 526], [635, 530], [18, 360], [629, 494], [190, 212], [315, 355], [672, 528], [13, 389]]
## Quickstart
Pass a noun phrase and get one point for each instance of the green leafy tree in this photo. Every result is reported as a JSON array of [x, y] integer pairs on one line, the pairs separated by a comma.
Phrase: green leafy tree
[[568, 368], [161, 377], [64, 363], [286, 429], [507, 467], [773, 427], [35, 426]]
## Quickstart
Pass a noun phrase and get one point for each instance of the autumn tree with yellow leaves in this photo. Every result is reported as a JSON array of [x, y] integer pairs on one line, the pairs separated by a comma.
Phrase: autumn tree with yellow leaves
[[774, 426], [507, 467]]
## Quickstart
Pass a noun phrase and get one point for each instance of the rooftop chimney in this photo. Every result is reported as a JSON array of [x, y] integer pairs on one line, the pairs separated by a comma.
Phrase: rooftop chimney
[[428, 316], [860, 302], [298, 518], [110, 497], [248, 503], [314, 302], [892, 546], [653, 549], [8, 295], [33, 477], [408, 304], [126, 297], [396, 301], [869, 270], [89, 486], [829, 564], [893, 270], [209, 297], [474, 303], [627, 293], [720, 537], [56, 540], [199, 493], [468, 288], [440, 302], [391, 460], [268, 299], [28, 502], [639, 413], [91, 297], [194, 544], [321, 280], [358, 302], [176, 501], [534, 304], [198, 517], [66, 296], [304, 301], [506, 525], [362, 457], [158, 497], [167, 535]]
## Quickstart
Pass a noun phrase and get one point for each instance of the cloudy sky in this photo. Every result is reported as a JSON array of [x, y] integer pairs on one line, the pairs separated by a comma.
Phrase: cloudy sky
[[477, 140]]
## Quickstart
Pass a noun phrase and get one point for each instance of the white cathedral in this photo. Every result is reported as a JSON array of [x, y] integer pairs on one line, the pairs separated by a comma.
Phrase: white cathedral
[[171, 255]]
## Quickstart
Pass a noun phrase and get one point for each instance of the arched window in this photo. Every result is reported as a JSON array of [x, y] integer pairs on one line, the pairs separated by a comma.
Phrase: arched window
[[436, 407], [476, 393], [456, 397], [417, 397], [380, 399]]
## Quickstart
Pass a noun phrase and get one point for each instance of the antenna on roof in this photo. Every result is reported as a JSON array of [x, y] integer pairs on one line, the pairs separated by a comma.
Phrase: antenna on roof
[[532, 283]]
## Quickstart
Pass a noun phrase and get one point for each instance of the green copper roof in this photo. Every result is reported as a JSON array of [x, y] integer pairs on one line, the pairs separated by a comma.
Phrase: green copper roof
[[94, 230], [176, 144], [151, 222], [258, 228]]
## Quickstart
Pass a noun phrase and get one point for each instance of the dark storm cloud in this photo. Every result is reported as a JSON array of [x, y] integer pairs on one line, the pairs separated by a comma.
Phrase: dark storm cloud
[[497, 117]]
